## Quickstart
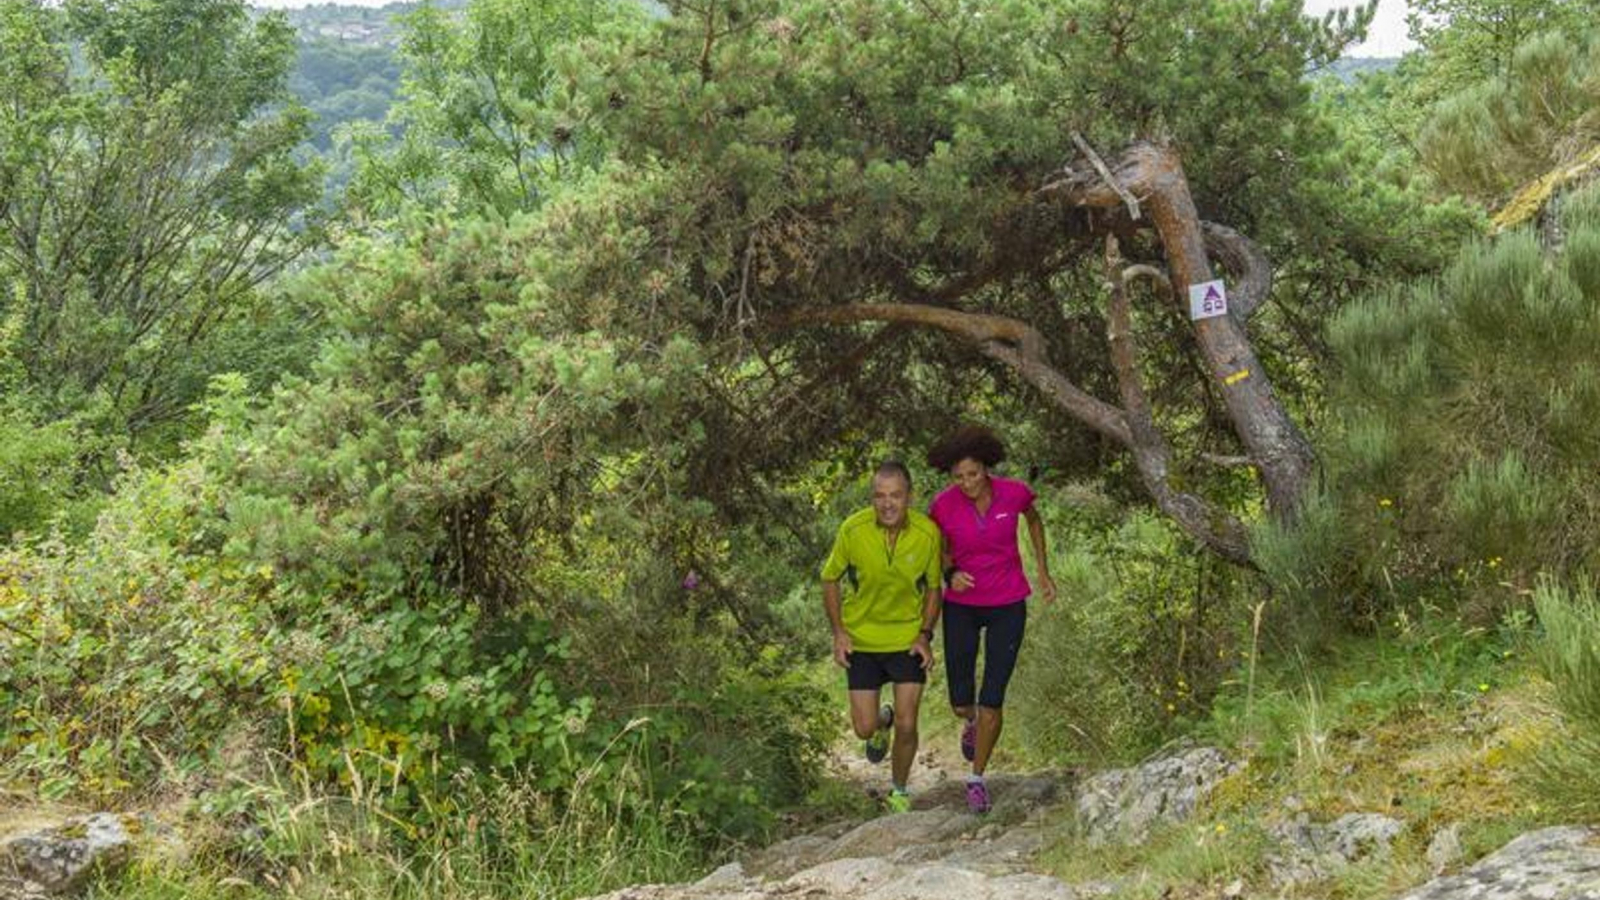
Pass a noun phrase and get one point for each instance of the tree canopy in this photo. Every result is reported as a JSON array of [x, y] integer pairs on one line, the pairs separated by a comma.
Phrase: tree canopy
[[148, 187], [779, 164]]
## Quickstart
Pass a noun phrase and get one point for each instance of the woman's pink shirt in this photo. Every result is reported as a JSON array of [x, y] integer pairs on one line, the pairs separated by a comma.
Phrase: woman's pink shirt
[[985, 546]]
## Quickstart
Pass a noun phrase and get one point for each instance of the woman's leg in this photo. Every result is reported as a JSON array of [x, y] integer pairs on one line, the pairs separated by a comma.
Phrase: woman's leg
[[961, 657], [1003, 630]]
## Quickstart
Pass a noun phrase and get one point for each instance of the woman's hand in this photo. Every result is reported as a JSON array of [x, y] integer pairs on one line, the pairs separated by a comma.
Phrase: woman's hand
[[1047, 588], [961, 581]]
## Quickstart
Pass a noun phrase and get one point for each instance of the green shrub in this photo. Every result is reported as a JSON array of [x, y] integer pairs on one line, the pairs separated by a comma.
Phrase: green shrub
[[38, 458], [380, 578], [36, 468], [1566, 768], [1461, 454], [134, 656], [1492, 138], [1145, 630]]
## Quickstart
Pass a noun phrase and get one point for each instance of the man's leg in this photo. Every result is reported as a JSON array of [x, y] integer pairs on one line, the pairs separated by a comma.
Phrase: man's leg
[[865, 678], [864, 712], [907, 699]]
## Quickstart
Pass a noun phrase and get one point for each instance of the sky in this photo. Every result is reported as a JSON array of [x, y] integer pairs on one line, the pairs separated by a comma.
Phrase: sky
[[1387, 36]]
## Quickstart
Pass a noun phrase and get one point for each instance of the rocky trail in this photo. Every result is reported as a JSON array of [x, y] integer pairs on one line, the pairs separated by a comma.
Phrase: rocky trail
[[939, 851]]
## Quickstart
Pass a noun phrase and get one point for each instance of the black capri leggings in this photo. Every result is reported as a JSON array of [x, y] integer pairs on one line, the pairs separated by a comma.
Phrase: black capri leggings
[[1002, 628]]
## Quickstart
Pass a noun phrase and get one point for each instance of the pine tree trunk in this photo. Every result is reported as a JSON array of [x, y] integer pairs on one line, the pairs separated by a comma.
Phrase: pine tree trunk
[[1273, 441]]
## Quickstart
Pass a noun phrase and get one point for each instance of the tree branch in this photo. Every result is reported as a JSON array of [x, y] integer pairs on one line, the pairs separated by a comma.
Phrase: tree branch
[[1105, 175], [1252, 273], [1214, 527], [1143, 270], [1283, 456], [1009, 341]]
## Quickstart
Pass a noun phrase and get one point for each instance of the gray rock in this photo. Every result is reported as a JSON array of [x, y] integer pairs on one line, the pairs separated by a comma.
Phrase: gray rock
[[728, 876], [1035, 887], [1550, 864], [1007, 853], [787, 857], [1444, 850], [1124, 804], [880, 837], [1358, 835], [938, 851], [933, 882], [870, 879], [1312, 852], [940, 882], [844, 876], [62, 858], [20, 889]]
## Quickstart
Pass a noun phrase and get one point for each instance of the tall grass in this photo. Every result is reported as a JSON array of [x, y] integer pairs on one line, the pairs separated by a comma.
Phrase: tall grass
[[504, 838], [1565, 771]]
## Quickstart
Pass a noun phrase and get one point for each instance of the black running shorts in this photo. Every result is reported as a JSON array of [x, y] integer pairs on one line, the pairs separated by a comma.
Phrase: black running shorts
[[870, 671]]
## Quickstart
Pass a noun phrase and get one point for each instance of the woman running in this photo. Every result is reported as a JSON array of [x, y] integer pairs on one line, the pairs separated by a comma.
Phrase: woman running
[[986, 597]]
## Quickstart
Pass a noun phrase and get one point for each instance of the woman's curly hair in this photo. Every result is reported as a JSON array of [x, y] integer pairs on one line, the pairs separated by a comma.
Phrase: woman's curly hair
[[967, 442]]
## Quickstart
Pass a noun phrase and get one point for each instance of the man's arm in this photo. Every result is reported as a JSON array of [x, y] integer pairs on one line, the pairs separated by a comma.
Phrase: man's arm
[[1041, 558], [831, 601], [932, 604]]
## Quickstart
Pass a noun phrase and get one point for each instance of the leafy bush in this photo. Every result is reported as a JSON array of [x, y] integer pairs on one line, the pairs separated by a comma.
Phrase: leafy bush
[[456, 552], [1490, 139], [1461, 458], [36, 467], [133, 656], [37, 457], [1144, 632]]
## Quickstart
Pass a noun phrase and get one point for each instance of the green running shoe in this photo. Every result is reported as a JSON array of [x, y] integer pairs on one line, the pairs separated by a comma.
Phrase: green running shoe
[[878, 744], [898, 801]]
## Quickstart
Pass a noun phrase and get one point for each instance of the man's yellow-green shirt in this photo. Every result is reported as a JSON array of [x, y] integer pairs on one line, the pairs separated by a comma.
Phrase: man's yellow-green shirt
[[883, 612]]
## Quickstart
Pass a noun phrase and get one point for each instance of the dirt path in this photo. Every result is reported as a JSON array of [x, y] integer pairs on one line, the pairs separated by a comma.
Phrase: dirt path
[[938, 851]]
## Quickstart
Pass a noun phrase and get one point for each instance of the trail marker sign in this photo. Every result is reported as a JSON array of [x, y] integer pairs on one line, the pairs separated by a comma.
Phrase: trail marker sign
[[1207, 300]]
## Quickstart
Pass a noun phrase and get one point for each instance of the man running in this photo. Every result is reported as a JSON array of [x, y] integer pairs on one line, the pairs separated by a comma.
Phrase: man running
[[882, 631]]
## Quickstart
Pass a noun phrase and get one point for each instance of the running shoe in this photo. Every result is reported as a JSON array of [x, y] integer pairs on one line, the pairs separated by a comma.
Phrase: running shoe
[[898, 801], [878, 744], [969, 740], [977, 797]]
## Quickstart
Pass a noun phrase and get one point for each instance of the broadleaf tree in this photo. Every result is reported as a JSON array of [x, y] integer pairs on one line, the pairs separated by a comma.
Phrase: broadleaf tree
[[149, 187], [482, 118]]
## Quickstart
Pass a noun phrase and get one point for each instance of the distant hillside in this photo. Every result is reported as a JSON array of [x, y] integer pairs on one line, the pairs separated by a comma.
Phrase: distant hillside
[[362, 25], [1348, 68], [347, 68]]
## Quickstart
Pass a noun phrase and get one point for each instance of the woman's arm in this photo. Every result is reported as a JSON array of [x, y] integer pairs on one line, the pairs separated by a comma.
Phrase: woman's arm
[[1041, 557]]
